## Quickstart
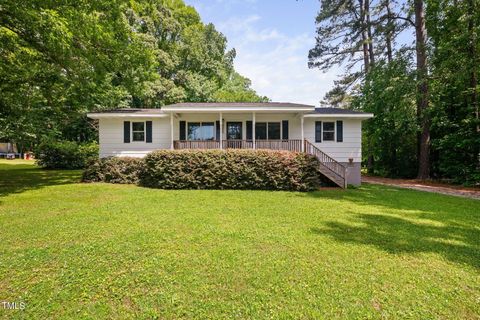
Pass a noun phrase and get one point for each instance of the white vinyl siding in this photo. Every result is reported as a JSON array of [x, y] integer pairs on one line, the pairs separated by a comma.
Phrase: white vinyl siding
[[111, 137], [351, 147], [111, 133]]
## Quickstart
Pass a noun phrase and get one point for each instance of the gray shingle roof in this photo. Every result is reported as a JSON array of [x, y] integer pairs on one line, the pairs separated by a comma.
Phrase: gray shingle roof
[[240, 104], [131, 110], [234, 104], [335, 111]]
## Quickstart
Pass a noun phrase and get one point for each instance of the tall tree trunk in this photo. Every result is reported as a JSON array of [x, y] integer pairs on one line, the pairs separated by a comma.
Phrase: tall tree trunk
[[472, 50], [368, 25], [422, 91], [366, 60], [389, 32]]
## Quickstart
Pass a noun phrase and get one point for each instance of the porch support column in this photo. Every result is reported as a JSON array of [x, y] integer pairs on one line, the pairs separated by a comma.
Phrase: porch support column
[[303, 134], [171, 131], [221, 131], [253, 131]]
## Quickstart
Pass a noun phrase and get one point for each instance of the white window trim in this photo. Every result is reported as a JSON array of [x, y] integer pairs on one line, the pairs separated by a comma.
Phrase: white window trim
[[334, 131], [201, 122], [144, 132], [267, 122]]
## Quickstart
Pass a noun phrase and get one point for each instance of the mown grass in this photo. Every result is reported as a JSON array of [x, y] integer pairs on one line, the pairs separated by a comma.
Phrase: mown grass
[[73, 250]]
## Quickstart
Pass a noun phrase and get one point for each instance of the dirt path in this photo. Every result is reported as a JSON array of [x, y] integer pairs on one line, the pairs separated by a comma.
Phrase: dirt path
[[429, 186]]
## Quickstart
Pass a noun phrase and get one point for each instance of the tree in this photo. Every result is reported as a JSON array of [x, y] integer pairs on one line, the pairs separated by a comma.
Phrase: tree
[[453, 28], [62, 59], [422, 91], [389, 93], [345, 28], [342, 35], [472, 17], [237, 89]]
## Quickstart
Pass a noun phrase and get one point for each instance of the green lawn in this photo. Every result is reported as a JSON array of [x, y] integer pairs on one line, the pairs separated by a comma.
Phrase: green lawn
[[72, 250]]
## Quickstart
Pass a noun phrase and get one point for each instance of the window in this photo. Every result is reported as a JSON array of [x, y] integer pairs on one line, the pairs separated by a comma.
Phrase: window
[[328, 131], [274, 131], [267, 130], [138, 131], [234, 130], [261, 131], [201, 131]]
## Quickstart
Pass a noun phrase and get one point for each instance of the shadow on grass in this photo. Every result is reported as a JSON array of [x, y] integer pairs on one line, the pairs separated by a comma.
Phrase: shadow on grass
[[407, 221], [20, 178], [420, 204], [396, 235]]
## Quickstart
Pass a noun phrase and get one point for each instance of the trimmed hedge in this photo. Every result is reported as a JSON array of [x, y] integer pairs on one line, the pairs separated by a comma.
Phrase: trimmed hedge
[[212, 169], [51, 154], [123, 170], [232, 169]]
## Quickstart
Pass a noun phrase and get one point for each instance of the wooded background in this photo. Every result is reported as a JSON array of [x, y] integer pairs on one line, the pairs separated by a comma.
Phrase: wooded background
[[414, 64], [63, 58]]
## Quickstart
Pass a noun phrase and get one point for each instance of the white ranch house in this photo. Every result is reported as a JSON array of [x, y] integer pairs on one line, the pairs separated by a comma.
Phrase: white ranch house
[[333, 135]]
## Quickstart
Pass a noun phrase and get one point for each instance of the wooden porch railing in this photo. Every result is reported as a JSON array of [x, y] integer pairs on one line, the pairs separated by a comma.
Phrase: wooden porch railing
[[289, 145], [335, 167], [237, 144], [190, 144]]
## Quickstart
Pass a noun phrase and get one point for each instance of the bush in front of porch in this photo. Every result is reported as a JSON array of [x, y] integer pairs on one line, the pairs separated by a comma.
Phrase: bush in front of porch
[[213, 169], [231, 169], [124, 170]]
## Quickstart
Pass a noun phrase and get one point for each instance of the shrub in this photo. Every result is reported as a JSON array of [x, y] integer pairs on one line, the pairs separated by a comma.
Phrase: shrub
[[232, 169], [52, 154], [114, 170], [88, 152]]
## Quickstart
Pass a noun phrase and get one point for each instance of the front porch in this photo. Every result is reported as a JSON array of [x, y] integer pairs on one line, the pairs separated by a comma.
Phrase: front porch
[[295, 145], [232, 130], [252, 130]]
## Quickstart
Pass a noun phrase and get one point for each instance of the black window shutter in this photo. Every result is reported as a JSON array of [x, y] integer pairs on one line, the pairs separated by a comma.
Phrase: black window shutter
[[249, 125], [126, 131], [285, 129], [182, 130], [318, 131], [339, 131], [217, 130], [148, 130]]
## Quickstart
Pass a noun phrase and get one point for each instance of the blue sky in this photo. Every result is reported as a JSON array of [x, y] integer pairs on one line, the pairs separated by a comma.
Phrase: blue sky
[[272, 39]]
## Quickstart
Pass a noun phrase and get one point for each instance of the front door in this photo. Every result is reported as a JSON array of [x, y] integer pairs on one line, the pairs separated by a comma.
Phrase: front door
[[234, 135]]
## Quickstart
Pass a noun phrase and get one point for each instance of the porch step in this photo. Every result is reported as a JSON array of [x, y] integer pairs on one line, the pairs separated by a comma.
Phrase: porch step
[[329, 167], [339, 181]]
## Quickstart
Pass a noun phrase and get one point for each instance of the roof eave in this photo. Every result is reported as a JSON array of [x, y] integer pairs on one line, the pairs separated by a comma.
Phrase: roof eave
[[110, 115], [361, 116]]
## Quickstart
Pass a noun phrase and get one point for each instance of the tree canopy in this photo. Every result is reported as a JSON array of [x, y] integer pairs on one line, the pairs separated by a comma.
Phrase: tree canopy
[[422, 87], [61, 59]]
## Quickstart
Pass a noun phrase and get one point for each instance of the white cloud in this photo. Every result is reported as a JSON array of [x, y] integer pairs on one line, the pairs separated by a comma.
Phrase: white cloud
[[276, 63], [238, 25]]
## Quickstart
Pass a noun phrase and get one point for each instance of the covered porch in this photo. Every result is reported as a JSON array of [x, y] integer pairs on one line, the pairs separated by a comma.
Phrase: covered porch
[[228, 130]]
